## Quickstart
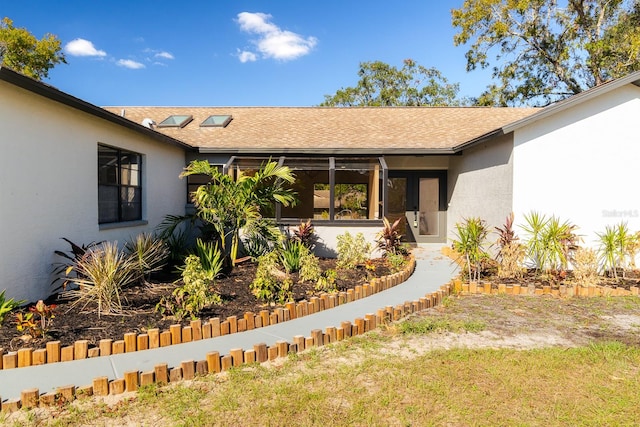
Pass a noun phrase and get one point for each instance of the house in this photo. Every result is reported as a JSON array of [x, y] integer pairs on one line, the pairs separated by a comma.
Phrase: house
[[60, 161], [431, 165]]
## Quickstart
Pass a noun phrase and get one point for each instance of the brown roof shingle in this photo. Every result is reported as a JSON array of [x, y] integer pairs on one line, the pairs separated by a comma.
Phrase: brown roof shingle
[[384, 130]]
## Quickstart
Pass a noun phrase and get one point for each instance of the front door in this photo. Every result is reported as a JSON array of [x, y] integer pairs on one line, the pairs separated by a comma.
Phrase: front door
[[419, 197]]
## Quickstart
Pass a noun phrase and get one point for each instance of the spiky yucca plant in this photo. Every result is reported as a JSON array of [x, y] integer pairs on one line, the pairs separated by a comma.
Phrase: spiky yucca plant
[[550, 242], [102, 273], [616, 248], [471, 236], [149, 252]]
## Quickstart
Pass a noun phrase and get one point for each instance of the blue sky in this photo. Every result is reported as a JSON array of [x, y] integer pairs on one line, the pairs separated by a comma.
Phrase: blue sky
[[237, 53]]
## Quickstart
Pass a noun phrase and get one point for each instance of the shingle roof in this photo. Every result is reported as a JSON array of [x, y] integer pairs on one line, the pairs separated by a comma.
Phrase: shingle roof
[[384, 130]]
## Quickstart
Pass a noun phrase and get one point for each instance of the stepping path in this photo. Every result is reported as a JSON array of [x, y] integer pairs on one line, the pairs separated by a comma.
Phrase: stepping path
[[432, 271]]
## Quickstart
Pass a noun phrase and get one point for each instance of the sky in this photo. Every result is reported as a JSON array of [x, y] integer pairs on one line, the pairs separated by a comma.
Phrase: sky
[[238, 53]]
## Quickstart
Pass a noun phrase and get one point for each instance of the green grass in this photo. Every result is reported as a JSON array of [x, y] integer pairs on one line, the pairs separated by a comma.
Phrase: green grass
[[429, 325]]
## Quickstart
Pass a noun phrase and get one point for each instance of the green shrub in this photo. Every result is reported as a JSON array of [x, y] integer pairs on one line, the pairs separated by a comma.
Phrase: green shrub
[[270, 284], [8, 305], [149, 252], [326, 282], [396, 262], [352, 250], [290, 255], [196, 291], [310, 267]]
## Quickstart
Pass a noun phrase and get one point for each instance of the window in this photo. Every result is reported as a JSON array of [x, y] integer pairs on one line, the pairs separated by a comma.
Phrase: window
[[175, 121], [329, 188], [197, 180], [216, 121], [119, 185]]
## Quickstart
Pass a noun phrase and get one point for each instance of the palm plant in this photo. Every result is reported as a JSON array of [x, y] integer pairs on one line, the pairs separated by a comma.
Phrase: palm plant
[[471, 236], [550, 242], [231, 204], [535, 224], [260, 237], [616, 245]]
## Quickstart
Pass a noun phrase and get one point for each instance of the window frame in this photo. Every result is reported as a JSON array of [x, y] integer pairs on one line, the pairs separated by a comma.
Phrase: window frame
[[238, 163], [120, 186]]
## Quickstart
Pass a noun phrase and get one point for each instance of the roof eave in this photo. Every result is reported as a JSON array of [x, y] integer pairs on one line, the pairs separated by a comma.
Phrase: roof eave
[[478, 140], [633, 78], [56, 95], [329, 151]]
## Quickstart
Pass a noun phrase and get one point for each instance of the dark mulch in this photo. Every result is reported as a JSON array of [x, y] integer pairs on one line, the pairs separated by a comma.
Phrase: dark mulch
[[73, 323]]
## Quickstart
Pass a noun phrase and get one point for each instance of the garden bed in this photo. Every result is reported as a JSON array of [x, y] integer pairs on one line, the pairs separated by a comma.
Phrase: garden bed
[[74, 323]]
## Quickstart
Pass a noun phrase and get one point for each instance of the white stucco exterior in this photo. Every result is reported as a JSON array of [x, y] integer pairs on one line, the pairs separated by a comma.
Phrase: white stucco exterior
[[582, 164], [49, 187], [480, 184]]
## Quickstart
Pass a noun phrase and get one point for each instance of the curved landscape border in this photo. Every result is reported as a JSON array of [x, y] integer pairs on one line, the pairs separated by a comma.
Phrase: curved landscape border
[[197, 330], [215, 362]]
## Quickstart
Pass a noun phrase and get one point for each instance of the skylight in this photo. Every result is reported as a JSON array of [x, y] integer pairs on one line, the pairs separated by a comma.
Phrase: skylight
[[175, 121], [216, 121]]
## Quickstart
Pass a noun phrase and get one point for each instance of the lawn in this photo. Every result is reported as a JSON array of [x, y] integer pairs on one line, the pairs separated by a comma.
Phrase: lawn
[[475, 360]]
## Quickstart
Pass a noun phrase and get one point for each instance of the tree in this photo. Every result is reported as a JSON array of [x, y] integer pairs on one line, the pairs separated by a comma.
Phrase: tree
[[547, 51], [231, 205], [381, 84], [23, 52]]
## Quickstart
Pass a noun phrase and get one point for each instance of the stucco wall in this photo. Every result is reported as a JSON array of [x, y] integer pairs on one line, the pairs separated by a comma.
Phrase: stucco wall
[[582, 164], [48, 185], [480, 184], [328, 238]]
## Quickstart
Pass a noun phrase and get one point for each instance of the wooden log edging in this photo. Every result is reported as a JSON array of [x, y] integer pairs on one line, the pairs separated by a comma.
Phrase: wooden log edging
[[562, 291], [215, 363], [197, 329]]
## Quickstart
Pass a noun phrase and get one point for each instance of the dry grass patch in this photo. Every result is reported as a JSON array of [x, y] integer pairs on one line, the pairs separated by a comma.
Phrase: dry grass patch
[[457, 365]]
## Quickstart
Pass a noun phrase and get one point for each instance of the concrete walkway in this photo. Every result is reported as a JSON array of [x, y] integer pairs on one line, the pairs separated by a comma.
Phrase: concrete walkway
[[432, 271]]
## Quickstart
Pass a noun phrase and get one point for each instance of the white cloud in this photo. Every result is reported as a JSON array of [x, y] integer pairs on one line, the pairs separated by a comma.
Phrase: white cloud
[[82, 47], [164, 55], [128, 63], [246, 56], [273, 42]]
